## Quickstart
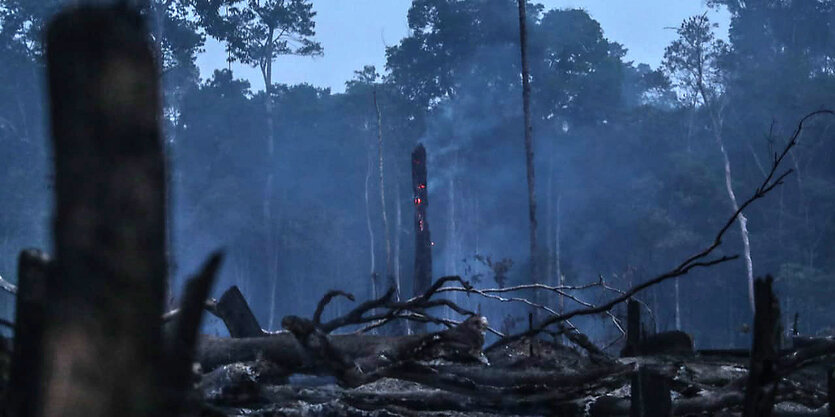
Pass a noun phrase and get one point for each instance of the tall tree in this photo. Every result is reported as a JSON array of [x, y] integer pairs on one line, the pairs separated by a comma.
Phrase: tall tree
[[256, 33], [526, 108], [694, 61]]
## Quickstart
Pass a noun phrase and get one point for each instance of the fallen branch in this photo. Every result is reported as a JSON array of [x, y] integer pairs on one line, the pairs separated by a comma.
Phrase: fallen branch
[[320, 308], [8, 286]]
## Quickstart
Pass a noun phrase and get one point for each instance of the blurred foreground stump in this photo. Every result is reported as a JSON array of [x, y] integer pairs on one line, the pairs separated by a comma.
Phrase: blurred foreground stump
[[102, 335]]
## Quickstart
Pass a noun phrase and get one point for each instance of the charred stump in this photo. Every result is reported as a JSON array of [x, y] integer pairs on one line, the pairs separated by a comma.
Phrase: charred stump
[[233, 309], [650, 394], [633, 329], [762, 373], [103, 350]]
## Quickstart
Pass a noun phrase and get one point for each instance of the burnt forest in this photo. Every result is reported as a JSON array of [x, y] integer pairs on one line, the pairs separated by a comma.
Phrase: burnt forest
[[417, 208]]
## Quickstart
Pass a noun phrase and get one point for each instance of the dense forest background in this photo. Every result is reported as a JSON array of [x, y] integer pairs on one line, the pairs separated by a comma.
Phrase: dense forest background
[[629, 158]]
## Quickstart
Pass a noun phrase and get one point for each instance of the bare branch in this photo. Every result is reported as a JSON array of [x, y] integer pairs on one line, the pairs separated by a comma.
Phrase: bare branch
[[771, 181], [320, 308], [8, 286]]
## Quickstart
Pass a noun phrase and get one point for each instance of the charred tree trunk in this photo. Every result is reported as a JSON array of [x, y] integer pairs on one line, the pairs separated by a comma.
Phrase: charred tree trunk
[[830, 388], [106, 292], [526, 109], [233, 309], [26, 373], [633, 329], [423, 241], [762, 373], [650, 395]]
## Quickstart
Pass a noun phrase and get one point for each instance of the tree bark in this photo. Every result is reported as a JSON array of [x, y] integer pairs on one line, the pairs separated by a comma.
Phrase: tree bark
[[633, 329], [529, 162], [233, 309], [650, 394], [371, 274], [423, 241], [383, 208], [24, 396], [762, 372], [107, 290]]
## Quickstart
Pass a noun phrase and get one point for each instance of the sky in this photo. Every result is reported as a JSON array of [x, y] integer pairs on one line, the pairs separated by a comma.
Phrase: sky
[[355, 33]]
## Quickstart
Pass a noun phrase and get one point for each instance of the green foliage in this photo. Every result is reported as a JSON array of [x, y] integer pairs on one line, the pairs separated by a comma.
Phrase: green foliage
[[257, 32], [694, 60]]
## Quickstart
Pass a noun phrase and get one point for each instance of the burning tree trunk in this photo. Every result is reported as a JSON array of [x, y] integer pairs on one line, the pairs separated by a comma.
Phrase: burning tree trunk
[[526, 108], [106, 292], [423, 241]]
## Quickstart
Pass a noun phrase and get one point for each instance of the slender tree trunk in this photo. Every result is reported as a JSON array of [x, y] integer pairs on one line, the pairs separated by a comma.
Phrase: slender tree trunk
[[552, 241], [717, 123], [397, 228], [678, 306], [558, 254], [158, 10], [373, 262], [529, 161], [384, 211], [423, 242], [741, 220], [450, 245], [270, 223]]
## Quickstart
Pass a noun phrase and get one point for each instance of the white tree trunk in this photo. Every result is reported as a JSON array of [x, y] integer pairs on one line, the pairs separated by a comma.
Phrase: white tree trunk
[[741, 219], [389, 274], [370, 228]]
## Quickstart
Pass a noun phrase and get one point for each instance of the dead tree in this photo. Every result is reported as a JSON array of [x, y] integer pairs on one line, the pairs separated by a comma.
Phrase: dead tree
[[633, 329], [383, 208], [701, 259], [233, 309], [762, 372], [24, 393], [103, 349], [650, 394], [109, 225], [423, 241], [526, 110]]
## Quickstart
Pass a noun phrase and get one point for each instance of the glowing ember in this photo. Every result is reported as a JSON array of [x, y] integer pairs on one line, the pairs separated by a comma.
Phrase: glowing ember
[[418, 201], [421, 186]]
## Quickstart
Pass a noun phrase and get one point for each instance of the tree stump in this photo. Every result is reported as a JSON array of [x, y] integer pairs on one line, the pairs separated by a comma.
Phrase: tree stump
[[103, 326], [650, 394], [762, 376]]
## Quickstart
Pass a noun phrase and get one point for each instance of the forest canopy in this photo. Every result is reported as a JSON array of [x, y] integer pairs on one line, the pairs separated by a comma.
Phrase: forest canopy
[[629, 174]]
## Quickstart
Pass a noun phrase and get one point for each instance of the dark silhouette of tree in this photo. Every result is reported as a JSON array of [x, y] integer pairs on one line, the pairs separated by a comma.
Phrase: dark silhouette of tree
[[256, 33], [529, 157]]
